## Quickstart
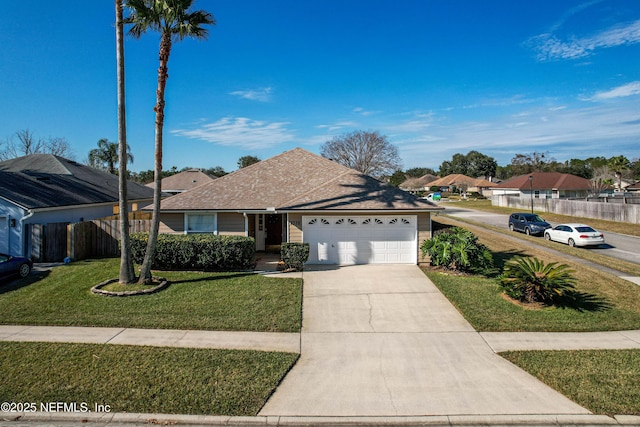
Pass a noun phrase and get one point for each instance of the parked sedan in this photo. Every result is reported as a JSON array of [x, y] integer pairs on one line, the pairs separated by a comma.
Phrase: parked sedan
[[528, 223], [14, 266], [575, 235]]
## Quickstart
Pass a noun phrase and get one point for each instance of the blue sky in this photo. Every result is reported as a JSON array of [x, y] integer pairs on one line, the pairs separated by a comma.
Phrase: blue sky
[[437, 77]]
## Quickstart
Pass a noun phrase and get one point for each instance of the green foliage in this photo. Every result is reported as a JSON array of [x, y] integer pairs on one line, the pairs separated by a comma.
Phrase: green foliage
[[458, 249], [531, 280], [294, 255], [206, 252]]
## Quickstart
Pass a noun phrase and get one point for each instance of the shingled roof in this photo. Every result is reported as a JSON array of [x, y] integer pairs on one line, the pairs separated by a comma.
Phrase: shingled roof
[[45, 181], [546, 181], [183, 181], [295, 180]]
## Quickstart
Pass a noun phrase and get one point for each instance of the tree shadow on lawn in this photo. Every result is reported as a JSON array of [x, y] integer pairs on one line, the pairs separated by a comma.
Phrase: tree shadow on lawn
[[582, 302], [214, 277], [13, 283]]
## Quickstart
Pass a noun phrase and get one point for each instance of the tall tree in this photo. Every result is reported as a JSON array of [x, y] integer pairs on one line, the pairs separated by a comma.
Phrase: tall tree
[[127, 272], [473, 164], [27, 143], [419, 172], [245, 161], [618, 165], [174, 21], [368, 152], [106, 156]]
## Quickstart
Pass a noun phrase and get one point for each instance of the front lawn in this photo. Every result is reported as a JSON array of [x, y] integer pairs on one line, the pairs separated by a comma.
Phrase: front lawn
[[141, 379], [600, 302], [603, 381], [195, 300]]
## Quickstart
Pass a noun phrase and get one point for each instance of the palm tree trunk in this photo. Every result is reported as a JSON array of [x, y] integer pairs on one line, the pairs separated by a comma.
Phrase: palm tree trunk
[[127, 273], [163, 75]]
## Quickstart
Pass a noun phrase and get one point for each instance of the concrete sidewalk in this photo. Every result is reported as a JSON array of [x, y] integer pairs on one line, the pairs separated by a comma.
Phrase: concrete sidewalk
[[263, 341]]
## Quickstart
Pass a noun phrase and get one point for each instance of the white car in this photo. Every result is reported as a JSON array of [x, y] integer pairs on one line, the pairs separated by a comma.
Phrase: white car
[[574, 235]]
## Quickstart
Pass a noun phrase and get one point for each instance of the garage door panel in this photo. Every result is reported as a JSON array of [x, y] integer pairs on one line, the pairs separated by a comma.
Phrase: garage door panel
[[361, 239]]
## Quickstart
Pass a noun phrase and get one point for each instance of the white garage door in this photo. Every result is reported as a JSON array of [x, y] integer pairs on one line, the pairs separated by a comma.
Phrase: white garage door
[[361, 239]]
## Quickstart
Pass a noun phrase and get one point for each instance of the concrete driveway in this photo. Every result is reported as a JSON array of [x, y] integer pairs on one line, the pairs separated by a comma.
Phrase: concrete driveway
[[381, 340]]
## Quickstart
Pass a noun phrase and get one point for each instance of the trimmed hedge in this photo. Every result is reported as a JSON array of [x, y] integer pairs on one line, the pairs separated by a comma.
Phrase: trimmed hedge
[[207, 252], [294, 255]]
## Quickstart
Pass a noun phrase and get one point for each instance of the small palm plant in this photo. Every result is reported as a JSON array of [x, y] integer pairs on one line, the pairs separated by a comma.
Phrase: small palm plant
[[531, 280], [458, 249]]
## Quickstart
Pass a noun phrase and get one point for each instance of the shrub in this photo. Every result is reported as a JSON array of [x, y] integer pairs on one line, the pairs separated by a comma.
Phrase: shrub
[[530, 280], [457, 248], [196, 252], [294, 255]]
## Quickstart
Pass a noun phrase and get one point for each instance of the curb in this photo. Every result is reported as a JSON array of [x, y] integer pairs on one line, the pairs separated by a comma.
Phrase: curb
[[123, 419]]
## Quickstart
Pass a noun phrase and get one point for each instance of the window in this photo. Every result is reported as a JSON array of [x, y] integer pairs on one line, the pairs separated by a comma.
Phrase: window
[[201, 223]]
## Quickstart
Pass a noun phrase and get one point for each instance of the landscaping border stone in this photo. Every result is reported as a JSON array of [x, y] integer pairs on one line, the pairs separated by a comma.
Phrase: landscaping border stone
[[97, 289]]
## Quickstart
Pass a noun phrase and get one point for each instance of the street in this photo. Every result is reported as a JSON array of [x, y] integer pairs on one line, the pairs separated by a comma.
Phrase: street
[[619, 246]]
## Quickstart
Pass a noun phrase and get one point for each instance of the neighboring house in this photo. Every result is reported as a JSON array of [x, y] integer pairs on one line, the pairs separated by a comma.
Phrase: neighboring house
[[544, 185], [464, 183], [183, 181], [346, 217], [418, 184], [44, 189], [633, 188]]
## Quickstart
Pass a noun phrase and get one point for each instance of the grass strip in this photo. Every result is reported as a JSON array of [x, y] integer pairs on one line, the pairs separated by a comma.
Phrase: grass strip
[[601, 301], [603, 381], [141, 379], [195, 300]]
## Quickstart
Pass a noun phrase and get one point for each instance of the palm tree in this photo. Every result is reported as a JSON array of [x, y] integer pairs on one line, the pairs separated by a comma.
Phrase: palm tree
[[618, 165], [106, 156], [127, 272], [173, 20]]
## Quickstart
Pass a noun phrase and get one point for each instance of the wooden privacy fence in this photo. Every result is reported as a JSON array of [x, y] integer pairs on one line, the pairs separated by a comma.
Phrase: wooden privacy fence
[[99, 238], [90, 239], [48, 242]]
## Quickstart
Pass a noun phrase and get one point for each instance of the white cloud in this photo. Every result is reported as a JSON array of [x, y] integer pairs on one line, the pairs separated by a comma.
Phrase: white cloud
[[628, 89], [262, 95], [566, 133], [361, 111], [550, 47], [240, 132]]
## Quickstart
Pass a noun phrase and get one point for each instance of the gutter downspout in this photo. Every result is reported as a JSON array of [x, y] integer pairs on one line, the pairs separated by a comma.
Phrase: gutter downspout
[[23, 237]]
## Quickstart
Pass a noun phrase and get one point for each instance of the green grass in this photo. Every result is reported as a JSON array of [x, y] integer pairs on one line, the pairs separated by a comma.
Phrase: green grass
[[194, 300], [603, 381], [480, 301], [142, 379], [601, 301]]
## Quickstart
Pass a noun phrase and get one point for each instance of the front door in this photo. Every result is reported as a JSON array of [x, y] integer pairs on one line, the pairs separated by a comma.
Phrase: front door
[[274, 229]]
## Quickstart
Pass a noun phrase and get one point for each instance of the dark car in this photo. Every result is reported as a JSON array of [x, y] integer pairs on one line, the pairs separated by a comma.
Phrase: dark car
[[14, 266], [528, 223]]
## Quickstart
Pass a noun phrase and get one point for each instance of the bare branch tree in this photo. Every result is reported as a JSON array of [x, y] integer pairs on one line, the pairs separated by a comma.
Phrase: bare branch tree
[[367, 152], [27, 144]]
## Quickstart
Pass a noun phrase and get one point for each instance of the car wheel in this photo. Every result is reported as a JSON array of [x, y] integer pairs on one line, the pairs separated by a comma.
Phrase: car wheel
[[571, 243], [547, 236], [24, 270], [511, 227], [527, 231]]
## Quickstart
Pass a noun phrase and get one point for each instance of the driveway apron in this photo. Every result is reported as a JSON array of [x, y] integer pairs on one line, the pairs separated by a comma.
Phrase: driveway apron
[[381, 340]]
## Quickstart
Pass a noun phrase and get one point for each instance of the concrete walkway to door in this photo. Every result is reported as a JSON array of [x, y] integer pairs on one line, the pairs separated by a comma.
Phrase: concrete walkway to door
[[381, 340]]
